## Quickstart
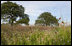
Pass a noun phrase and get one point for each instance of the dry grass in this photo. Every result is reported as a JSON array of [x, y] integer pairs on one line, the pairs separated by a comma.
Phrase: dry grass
[[35, 35]]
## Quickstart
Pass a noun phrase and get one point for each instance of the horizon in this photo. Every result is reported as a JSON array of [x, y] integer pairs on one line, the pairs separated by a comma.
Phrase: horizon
[[56, 8]]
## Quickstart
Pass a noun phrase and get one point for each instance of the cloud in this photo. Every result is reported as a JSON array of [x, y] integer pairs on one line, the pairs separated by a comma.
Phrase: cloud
[[35, 8]]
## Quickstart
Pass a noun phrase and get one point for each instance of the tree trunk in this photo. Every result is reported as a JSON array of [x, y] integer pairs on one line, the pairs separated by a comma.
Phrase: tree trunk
[[12, 25]]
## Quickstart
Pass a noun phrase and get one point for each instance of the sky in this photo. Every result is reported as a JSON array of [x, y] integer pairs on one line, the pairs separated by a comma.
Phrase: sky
[[56, 8]]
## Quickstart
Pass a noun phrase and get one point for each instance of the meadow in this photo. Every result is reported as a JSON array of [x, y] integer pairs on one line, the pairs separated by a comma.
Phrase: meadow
[[35, 35]]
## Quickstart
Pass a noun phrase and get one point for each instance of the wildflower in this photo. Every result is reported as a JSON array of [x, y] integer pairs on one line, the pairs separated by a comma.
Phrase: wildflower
[[59, 18]]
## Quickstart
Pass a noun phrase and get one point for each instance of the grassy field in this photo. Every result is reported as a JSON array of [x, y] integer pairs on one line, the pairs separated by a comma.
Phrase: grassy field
[[35, 35]]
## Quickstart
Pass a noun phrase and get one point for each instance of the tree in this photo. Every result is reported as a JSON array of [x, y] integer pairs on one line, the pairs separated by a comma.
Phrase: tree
[[11, 11], [25, 20], [46, 18]]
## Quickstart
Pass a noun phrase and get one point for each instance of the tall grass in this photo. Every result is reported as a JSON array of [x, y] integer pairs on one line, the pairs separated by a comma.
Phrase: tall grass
[[35, 35]]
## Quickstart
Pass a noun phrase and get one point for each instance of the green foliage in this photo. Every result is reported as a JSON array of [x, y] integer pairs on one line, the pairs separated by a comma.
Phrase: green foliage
[[23, 20], [46, 19], [11, 11]]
